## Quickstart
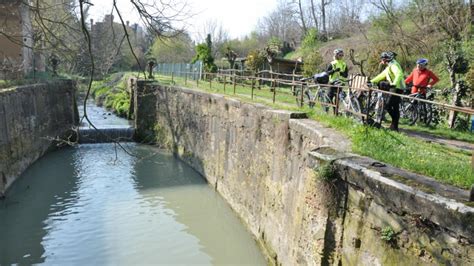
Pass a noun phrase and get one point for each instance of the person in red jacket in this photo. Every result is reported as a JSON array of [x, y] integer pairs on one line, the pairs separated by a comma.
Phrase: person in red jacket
[[421, 77]]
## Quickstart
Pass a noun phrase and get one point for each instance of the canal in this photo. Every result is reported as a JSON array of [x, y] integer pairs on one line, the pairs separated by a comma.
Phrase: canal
[[95, 204]]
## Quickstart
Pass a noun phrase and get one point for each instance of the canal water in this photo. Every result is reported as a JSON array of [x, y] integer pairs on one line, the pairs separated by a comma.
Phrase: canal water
[[94, 204]]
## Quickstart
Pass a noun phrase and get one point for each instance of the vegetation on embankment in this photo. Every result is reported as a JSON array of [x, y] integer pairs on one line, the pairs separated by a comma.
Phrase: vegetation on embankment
[[446, 165], [112, 93]]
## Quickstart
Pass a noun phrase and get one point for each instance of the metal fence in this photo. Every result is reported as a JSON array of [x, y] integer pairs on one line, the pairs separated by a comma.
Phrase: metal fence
[[191, 71]]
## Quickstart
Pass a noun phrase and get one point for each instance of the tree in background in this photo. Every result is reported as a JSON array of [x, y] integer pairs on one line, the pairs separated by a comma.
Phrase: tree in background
[[204, 54], [282, 23], [255, 60], [310, 53], [177, 49], [219, 37], [248, 43]]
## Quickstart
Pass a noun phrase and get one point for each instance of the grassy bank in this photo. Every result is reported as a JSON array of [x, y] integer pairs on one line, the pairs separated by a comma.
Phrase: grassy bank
[[446, 165], [111, 93]]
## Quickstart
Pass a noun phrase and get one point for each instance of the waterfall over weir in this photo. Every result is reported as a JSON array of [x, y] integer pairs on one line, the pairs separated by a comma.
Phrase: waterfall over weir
[[105, 135], [111, 128]]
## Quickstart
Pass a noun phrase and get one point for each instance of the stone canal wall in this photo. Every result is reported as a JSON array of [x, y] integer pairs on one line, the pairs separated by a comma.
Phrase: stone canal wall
[[30, 118], [301, 194]]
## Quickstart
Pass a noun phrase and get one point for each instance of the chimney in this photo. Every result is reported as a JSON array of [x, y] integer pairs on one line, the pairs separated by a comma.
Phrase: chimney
[[92, 23], [127, 22]]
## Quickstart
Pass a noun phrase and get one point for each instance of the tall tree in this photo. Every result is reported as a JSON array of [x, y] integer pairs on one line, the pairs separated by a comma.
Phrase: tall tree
[[303, 24]]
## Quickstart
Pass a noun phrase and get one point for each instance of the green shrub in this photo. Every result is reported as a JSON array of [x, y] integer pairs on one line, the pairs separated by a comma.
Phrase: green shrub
[[326, 172], [388, 234]]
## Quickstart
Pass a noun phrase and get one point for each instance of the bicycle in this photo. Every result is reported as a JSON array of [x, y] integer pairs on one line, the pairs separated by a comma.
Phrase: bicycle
[[415, 110], [351, 104], [376, 106], [309, 98], [349, 100]]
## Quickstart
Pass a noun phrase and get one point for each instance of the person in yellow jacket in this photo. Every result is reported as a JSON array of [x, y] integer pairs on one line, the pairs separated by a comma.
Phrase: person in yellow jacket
[[391, 78], [338, 72]]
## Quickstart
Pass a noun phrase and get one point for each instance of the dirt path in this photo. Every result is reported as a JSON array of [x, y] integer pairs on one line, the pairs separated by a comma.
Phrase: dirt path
[[443, 141]]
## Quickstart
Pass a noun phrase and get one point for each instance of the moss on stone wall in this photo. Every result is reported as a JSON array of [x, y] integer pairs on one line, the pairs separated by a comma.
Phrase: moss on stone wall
[[162, 137]]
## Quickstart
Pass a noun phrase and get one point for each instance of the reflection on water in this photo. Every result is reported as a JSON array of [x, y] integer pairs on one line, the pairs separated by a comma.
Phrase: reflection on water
[[101, 117], [85, 206]]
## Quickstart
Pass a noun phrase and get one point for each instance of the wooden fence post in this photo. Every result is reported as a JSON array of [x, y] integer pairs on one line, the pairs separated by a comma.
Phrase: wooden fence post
[[367, 107], [253, 86], [185, 78], [293, 83], [225, 81], [274, 89], [210, 81], [234, 81], [258, 82], [302, 95], [172, 77], [336, 109]]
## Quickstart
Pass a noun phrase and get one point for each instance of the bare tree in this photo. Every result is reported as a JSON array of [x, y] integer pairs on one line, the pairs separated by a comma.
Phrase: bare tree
[[219, 36], [302, 17], [313, 13], [282, 23], [324, 4]]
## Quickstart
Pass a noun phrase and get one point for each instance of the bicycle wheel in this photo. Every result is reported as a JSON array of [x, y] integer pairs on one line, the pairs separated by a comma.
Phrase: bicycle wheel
[[404, 106], [379, 109], [428, 114], [355, 107], [412, 113], [306, 99], [345, 101]]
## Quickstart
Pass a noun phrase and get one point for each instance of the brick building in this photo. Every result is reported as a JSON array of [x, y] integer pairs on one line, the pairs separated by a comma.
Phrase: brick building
[[16, 55]]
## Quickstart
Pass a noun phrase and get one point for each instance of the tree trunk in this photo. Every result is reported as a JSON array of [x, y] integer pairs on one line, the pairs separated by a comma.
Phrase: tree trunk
[[313, 13], [459, 91], [302, 18], [323, 17]]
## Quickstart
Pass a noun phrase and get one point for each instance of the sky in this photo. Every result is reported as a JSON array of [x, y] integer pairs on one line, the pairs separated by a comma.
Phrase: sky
[[238, 18]]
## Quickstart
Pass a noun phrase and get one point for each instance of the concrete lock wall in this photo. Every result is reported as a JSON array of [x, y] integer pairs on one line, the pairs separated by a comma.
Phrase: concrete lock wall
[[32, 119], [268, 165]]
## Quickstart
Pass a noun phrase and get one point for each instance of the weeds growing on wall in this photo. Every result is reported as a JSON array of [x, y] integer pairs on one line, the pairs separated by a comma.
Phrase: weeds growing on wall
[[326, 172], [388, 235]]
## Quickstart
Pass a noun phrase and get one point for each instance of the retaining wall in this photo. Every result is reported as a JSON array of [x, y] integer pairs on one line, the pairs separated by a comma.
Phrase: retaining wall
[[267, 165], [31, 117]]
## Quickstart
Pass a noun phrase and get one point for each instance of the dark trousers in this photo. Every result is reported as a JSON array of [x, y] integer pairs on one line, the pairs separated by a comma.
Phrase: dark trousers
[[393, 109]]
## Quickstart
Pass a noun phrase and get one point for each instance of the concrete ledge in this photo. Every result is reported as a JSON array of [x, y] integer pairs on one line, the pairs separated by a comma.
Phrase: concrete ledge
[[448, 213]]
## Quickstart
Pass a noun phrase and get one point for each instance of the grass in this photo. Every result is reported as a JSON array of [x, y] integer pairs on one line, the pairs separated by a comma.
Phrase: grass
[[111, 92], [446, 165]]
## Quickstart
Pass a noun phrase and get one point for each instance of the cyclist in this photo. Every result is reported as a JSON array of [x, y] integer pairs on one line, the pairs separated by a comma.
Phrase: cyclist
[[393, 77], [337, 71], [421, 77]]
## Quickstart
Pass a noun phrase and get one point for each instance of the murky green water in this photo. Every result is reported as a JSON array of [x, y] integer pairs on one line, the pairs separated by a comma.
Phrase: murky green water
[[83, 206]]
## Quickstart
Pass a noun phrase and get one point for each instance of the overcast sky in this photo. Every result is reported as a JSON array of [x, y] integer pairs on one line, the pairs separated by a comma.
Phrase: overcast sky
[[238, 17]]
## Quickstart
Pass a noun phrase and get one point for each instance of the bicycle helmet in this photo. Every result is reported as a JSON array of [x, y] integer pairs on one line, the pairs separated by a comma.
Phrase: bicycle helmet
[[422, 62], [338, 51], [389, 56]]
